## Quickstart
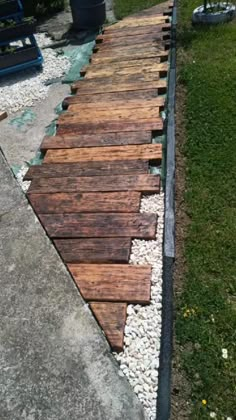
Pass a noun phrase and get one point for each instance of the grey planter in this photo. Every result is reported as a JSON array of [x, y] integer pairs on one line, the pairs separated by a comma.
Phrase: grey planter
[[200, 17], [88, 14]]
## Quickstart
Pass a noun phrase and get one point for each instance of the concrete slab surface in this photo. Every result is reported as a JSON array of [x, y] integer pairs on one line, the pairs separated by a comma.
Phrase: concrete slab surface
[[55, 363]]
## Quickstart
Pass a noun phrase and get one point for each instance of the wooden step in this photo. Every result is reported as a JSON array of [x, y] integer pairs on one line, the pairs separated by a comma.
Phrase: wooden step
[[125, 64], [148, 46], [110, 97], [154, 124], [100, 225], [101, 202], [100, 168], [152, 38], [162, 68], [111, 316], [95, 140], [146, 151], [94, 250], [137, 22], [86, 87], [126, 55], [159, 101], [118, 33], [145, 183], [116, 115], [113, 283]]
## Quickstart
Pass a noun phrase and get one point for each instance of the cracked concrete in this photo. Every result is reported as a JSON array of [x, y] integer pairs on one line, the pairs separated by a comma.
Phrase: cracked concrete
[[55, 363]]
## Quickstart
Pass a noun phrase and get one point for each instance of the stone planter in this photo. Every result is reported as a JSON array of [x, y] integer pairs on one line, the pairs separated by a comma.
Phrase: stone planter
[[226, 14]]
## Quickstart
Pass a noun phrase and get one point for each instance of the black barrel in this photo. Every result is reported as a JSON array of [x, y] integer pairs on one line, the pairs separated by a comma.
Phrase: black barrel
[[88, 14]]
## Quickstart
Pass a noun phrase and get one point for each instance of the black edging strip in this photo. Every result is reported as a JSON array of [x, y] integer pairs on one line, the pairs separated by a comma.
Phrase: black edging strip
[[164, 385]]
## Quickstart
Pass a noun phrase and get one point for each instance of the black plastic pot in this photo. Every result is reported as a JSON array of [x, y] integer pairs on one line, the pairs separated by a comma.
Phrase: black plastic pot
[[20, 30], [8, 7], [21, 56], [88, 14]]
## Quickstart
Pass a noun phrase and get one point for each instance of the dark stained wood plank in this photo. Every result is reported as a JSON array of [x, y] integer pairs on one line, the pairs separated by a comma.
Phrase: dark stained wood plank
[[109, 97], [94, 250], [155, 124], [101, 202], [146, 151], [102, 168], [85, 87], [132, 22], [152, 38], [145, 183], [125, 32], [93, 72], [158, 101], [127, 55], [111, 316], [132, 48], [95, 140], [113, 283], [100, 225], [117, 115]]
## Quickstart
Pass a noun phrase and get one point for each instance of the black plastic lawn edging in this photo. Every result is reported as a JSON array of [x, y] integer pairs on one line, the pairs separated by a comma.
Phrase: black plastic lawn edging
[[164, 384]]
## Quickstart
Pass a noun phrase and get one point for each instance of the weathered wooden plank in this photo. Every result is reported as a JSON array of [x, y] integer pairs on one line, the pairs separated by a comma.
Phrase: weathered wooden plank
[[109, 97], [127, 55], [130, 48], [146, 76], [103, 115], [99, 202], [86, 87], [159, 101], [95, 140], [101, 168], [155, 124], [137, 63], [147, 151], [136, 22], [94, 250], [145, 183], [111, 316], [100, 225], [113, 283], [152, 38], [125, 32], [161, 68]]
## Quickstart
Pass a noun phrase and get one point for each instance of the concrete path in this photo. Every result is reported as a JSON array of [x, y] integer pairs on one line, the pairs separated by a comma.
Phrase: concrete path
[[54, 361]]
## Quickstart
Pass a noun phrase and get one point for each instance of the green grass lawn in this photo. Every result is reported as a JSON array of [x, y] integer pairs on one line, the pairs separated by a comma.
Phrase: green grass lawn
[[206, 314], [127, 7]]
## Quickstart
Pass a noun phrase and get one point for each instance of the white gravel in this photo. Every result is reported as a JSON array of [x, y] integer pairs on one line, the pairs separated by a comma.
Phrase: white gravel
[[140, 358], [22, 89]]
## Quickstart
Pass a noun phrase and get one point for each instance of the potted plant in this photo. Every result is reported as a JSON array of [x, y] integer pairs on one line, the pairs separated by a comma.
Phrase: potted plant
[[10, 29], [13, 56], [8, 7], [213, 12]]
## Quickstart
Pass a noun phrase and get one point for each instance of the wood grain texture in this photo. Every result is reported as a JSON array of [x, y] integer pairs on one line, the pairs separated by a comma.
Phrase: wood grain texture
[[155, 124], [152, 38], [86, 87], [125, 64], [159, 101], [100, 225], [137, 22], [161, 68], [146, 151], [94, 250], [113, 283], [109, 115], [101, 202], [145, 183], [95, 140], [102, 168], [111, 316], [127, 56], [130, 48], [118, 33], [109, 97]]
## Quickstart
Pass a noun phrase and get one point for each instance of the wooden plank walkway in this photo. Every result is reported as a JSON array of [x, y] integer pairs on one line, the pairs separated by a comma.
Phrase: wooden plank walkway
[[87, 192]]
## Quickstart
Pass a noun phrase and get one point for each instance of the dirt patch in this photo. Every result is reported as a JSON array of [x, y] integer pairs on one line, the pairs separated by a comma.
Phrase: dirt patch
[[180, 407]]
